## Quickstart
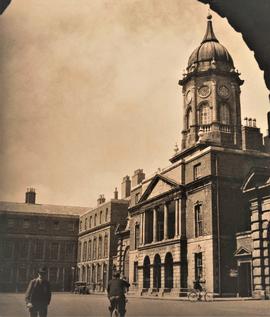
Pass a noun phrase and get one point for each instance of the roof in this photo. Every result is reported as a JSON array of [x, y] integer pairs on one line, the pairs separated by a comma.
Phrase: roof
[[210, 50], [41, 209]]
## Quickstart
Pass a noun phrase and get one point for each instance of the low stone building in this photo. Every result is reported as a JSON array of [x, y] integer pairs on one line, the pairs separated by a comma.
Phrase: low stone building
[[34, 235], [97, 245]]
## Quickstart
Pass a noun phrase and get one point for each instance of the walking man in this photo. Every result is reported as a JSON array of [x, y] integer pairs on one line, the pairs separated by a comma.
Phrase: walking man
[[38, 295]]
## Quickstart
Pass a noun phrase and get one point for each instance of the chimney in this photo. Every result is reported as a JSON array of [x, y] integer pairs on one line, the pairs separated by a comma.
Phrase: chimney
[[115, 193], [101, 199], [125, 187], [138, 177], [30, 196]]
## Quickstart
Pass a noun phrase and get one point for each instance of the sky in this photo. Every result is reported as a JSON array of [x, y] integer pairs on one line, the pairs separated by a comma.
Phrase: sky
[[89, 92]]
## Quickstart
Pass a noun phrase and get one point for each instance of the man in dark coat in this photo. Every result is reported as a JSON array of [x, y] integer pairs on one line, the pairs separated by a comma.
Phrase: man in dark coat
[[116, 293], [38, 295]]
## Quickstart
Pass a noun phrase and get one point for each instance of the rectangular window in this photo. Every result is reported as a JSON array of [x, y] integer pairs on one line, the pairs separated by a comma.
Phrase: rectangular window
[[22, 274], [198, 221], [11, 222], [41, 224], [53, 274], [56, 225], [107, 215], [23, 249], [8, 248], [100, 217], [89, 249], [69, 250], [135, 275], [197, 171], [198, 266], [137, 236], [39, 249], [26, 223], [106, 246], [54, 251]]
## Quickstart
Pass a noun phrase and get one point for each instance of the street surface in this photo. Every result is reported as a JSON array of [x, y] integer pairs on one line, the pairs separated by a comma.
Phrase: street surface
[[67, 305]]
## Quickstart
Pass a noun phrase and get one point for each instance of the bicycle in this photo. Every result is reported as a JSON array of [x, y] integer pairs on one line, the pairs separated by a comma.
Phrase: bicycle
[[116, 307], [197, 295]]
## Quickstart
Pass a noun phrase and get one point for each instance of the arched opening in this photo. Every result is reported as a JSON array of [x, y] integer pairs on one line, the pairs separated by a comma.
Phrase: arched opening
[[188, 118], [146, 272], [224, 114], [126, 264], [204, 114], [157, 272], [83, 274], [168, 271], [105, 270]]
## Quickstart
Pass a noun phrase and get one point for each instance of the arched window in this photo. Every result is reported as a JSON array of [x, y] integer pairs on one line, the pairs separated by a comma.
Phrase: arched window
[[137, 235], [224, 114], [146, 272], [106, 246], [100, 217], [168, 271], [95, 220], [204, 114], [126, 263], [157, 272], [188, 118]]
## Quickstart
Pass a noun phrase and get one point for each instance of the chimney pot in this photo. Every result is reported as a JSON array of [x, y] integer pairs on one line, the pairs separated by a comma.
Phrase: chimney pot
[[30, 196]]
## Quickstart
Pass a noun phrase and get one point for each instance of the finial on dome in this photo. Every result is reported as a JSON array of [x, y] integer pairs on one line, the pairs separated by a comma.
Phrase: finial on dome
[[209, 35]]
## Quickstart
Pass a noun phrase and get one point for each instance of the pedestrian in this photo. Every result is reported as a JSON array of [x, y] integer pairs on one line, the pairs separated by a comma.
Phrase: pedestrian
[[116, 294], [38, 295]]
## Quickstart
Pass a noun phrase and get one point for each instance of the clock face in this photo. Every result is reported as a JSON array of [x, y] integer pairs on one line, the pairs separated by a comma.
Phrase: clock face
[[223, 91], [188, 97], [204, 91]]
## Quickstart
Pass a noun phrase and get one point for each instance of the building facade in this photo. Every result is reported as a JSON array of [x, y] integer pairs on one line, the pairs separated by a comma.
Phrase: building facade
[[183, 220], [34, 235], [97, 243]]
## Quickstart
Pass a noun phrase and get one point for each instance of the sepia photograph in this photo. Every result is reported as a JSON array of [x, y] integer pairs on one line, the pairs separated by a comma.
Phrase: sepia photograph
[[135, 158]]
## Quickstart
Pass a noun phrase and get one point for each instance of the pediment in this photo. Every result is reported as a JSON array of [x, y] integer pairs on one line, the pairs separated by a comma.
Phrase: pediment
[[158, 186], [257, 177], [242, 251]]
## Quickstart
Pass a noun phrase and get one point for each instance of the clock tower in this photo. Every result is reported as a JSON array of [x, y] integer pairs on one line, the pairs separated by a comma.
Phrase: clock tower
[[211, 93]]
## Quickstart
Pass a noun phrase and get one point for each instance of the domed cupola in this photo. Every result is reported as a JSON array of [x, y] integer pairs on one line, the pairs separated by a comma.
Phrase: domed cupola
[[211, 95], [210, 53]]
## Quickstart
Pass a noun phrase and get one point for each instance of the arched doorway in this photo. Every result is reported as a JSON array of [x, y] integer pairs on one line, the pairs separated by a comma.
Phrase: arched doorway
[[83, 274], [126, 264], [146, 272], [157, 272], [168, 271]]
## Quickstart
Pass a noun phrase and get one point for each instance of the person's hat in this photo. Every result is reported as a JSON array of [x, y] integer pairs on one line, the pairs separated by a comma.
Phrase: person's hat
[[42, 270]]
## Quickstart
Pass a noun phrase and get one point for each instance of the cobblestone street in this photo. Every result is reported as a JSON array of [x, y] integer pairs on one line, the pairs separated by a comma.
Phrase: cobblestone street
[[67, 305]]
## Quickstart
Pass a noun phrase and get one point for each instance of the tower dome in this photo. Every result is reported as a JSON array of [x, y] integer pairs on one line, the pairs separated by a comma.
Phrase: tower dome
[[210, 53]]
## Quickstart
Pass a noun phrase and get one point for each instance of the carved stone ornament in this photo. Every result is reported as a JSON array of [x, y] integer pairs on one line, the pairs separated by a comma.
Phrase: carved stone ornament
[[204, 91], [223, 91]]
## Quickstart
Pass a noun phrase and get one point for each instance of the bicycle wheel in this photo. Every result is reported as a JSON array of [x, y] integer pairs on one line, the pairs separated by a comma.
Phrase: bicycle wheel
[[208, 297], [193, 296], [115, 313]]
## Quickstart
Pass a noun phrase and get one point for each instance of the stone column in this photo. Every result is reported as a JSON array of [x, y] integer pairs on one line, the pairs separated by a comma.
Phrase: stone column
[[162, 284], [176, 218], [155, 224], [165, 221]]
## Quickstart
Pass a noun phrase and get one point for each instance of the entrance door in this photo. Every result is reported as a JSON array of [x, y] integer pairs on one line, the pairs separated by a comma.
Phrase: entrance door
[[245, 288]]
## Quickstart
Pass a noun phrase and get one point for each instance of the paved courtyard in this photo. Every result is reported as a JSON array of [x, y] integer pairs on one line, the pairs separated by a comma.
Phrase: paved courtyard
[[67, 305]]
